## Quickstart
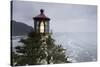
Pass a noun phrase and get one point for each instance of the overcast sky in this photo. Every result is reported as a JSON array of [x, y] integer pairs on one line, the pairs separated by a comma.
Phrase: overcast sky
[[64, 17]]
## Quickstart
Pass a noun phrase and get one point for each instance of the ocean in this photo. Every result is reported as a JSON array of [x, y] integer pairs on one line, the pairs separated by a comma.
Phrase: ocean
[[80, 46]]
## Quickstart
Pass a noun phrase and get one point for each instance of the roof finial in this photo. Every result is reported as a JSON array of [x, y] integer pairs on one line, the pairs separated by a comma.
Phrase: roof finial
[[41, 10]]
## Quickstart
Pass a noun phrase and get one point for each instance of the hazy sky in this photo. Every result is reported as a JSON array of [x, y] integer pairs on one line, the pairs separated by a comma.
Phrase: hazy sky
[[64, 17]]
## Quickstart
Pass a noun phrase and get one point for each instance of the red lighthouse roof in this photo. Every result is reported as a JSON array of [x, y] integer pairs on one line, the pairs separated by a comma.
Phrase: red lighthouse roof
[[41, 16]]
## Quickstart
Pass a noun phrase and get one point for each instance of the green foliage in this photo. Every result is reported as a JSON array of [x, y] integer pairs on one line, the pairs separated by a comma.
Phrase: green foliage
[[37, 47]]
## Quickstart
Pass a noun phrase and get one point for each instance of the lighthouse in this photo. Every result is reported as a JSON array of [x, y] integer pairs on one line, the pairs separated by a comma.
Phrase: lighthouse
[[41, 23]]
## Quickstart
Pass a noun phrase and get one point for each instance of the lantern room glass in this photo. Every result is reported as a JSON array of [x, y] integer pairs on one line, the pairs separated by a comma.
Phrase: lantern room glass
[[42, 27]]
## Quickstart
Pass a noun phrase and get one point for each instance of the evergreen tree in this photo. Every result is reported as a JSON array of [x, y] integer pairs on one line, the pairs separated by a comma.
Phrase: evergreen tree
[[39, 49]]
